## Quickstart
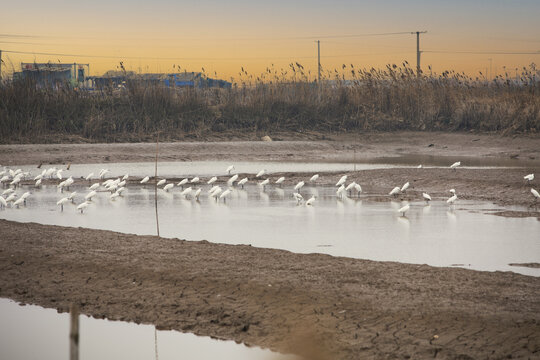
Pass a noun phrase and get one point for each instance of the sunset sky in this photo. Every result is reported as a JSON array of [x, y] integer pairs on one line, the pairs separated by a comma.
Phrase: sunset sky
[[223, 36]]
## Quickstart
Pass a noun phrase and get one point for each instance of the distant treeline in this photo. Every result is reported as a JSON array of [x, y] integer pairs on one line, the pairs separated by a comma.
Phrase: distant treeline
[[347, 100]]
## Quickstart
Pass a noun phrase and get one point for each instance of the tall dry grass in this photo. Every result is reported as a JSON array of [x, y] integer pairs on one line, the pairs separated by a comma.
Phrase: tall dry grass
[[347, 99]]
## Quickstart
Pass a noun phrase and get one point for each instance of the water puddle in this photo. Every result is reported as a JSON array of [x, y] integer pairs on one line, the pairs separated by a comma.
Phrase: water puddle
[[32, 332], [436, 234], [202, 168]]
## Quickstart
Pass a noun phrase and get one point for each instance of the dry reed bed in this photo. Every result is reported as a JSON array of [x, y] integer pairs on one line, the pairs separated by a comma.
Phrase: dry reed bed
[[278, 100]]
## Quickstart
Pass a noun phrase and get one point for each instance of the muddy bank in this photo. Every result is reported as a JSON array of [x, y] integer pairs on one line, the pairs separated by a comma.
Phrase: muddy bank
[[339, 147], [290, 302]]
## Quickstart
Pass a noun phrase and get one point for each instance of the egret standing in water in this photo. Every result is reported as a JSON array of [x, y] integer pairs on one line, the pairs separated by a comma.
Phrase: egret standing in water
[[452, 199], [426, 197], [314, 178], [299, 186], [83, 206], [404, 209], [161, 182], [311, 200], [145, 180], [167, 187], [212, 180], [261, 173], [3, 203], [232, 179], [264, 183], [225, 194], [280, 181], [342, 180], [455, 165], [242, 182], [229, 169]]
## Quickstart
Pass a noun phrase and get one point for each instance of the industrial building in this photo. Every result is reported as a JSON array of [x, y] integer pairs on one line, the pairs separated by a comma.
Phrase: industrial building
[[53, 74]]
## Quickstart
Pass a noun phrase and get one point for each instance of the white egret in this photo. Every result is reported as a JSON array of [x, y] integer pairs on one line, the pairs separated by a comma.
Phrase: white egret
[[452, 199], [94, 186], [145, 180], [195, 180], [103, 172], [311, 200], [213, 189], [18, 202], [161, 182], [298, 197], [59, 174], [212, 180], [38, 183], [242, 182], [419, 166], [455, 165], [4, 178], [90, 195], [535, 194], [529, 178], [197, 193], [168, 186], [216, 191], [15, 181], [342, 180], [125, 177], [229, 169], [280, 180], [120, 190], [233, 179], [404, 209], [11, 197], [453, 191], [72, 196], [83, 206], [395, 191], [114, 195], [314, 178], [225, 194], [61, 202], [405, 187], [8, 191], [25, 196], [298, 186], [3, 202], [122, 183], [350, 187], [182, 183], [264, 183], [340, 191], [426, 197], [186, 191], [358, 189], [261, 173], [38, 177]]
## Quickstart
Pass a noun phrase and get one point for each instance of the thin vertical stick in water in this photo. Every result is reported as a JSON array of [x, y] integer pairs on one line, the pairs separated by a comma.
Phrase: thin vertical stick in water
[[74, 333], [155, 185], [155, 342]]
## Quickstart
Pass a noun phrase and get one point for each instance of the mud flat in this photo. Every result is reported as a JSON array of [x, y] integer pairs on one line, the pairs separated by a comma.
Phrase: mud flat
[[311, 304]]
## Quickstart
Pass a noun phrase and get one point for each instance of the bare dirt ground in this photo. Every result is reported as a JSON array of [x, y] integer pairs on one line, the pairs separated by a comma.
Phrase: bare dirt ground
[[315, 305], [343, 148]]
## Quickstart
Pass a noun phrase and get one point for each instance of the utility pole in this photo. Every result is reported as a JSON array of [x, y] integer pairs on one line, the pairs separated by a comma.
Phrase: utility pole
[[418, 52], [318, 61]]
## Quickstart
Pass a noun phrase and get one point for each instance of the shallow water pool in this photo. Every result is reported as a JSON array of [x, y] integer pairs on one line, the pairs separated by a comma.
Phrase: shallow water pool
[[32, 332], [435, 234]]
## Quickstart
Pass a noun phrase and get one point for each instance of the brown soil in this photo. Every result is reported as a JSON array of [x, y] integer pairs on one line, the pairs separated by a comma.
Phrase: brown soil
[[316, 305], [362, 147]]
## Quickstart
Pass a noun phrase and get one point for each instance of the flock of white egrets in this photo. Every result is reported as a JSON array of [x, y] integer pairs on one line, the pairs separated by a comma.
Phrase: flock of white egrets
[[190, 188]]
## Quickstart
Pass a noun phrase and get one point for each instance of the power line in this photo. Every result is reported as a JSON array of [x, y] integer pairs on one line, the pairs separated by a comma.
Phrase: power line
[[481, 52], [194, 58]]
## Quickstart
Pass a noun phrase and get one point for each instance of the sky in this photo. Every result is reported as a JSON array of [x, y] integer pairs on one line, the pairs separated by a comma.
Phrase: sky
[[224, 36]]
